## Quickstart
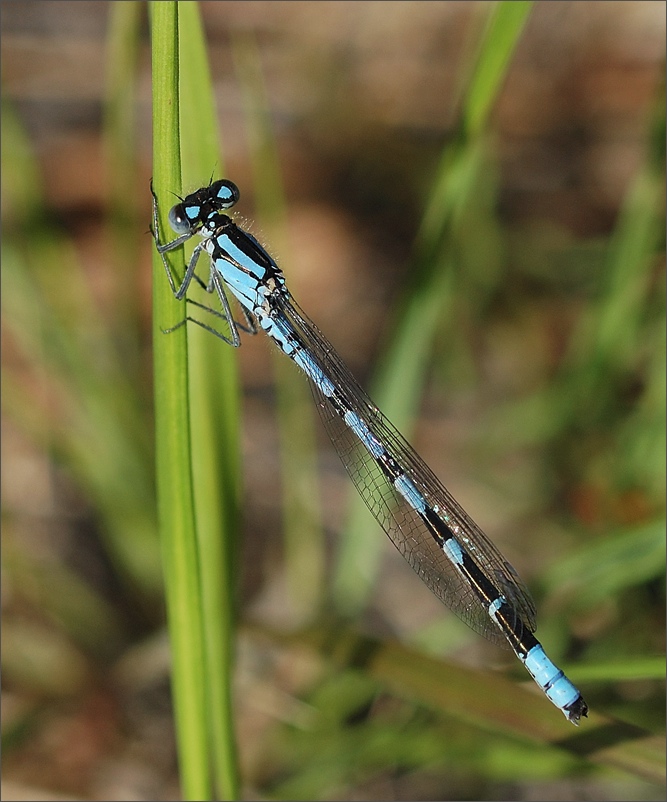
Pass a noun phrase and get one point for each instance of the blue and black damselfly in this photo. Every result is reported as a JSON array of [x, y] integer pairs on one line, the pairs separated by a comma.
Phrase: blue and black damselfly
[[435, 535]]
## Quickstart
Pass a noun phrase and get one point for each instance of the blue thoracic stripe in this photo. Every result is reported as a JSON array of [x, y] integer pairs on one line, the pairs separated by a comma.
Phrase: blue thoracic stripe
[[242, 256], [244, 287], [450, 553]]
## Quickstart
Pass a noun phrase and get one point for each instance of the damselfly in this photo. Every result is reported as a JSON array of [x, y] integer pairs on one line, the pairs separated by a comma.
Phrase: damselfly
[[435, 535]]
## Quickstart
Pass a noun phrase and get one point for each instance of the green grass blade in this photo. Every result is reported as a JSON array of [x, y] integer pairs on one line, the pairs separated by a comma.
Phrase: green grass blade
[[628, 669], [214, 405], [504, 28], [174, 477]]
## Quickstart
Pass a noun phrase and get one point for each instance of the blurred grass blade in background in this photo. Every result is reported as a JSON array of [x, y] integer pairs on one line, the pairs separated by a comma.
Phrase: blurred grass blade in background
[[434, 275], [302, 525], [88, 411]]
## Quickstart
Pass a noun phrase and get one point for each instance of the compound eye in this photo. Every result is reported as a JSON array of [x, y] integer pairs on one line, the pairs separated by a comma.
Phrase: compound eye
[[225, 192], [179, 220]]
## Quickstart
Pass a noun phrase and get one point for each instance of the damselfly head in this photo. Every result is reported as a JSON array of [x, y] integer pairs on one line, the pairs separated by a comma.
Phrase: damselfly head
[[195, 209]]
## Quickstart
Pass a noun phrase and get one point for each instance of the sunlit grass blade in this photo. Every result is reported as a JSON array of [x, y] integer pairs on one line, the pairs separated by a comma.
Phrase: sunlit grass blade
[[504, 27], [627, 669], [214, 424], [172, 422]]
